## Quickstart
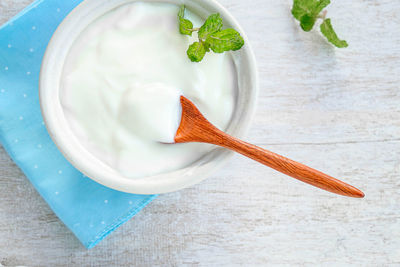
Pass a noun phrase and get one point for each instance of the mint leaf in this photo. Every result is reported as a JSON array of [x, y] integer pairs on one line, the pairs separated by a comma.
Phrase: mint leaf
[[329, 33], [321, 5], [185, 25], [300, 8], [307, 11], [196, 51], [181, 12], [225, 40], [213, 24], [307, 22]]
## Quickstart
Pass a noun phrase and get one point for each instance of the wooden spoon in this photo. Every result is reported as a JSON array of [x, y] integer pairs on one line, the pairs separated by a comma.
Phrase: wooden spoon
[[194, 127]]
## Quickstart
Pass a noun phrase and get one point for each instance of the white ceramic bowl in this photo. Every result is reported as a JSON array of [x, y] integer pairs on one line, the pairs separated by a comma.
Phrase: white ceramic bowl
[[70, 146]]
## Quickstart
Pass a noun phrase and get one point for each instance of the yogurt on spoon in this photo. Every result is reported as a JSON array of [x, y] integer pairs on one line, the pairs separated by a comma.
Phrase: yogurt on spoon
[[121, 85]]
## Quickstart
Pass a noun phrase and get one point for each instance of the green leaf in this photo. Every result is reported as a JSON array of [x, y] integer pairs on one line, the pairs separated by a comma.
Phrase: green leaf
[[329, 33], [307, 11], [185, 25], [181, 13], [196, 52], [321, 5], [307, 22], [225, 40], [213, 24], [300, 7]]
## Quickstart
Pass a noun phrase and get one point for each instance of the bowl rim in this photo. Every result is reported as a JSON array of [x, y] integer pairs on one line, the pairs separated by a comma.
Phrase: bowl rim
[[152, 184]]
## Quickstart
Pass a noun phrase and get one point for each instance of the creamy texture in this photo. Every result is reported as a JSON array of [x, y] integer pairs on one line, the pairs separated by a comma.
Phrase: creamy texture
[[151, 112], [121, 85]]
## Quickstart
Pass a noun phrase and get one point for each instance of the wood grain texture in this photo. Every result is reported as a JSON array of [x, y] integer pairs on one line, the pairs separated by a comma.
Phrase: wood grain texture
[[194, 127], [314, 100]]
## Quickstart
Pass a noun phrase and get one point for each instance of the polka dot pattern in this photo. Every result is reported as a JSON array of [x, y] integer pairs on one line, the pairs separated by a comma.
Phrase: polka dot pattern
[[75, 198]]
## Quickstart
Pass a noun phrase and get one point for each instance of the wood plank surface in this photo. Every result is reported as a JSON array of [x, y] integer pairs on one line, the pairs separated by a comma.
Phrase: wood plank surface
[[335, 110]]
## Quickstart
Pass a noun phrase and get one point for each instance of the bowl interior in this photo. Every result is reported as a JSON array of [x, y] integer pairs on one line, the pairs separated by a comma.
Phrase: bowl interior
[[69, 145]]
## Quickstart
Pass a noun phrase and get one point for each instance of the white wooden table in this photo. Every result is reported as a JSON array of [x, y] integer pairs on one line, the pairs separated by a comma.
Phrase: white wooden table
[[336, 110]]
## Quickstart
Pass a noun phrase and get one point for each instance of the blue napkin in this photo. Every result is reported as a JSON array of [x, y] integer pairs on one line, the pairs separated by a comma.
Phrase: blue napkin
[[89, 209]]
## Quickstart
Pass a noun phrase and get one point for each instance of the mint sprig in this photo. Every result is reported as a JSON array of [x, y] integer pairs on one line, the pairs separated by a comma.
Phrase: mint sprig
[[308, 11], [211, 36]]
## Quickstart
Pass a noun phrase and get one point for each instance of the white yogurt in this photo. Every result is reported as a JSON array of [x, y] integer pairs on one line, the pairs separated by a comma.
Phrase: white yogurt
[[121, 85]]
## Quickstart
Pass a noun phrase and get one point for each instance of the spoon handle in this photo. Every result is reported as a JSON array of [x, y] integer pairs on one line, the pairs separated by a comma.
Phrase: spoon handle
[[195, 127], [287, 166]]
